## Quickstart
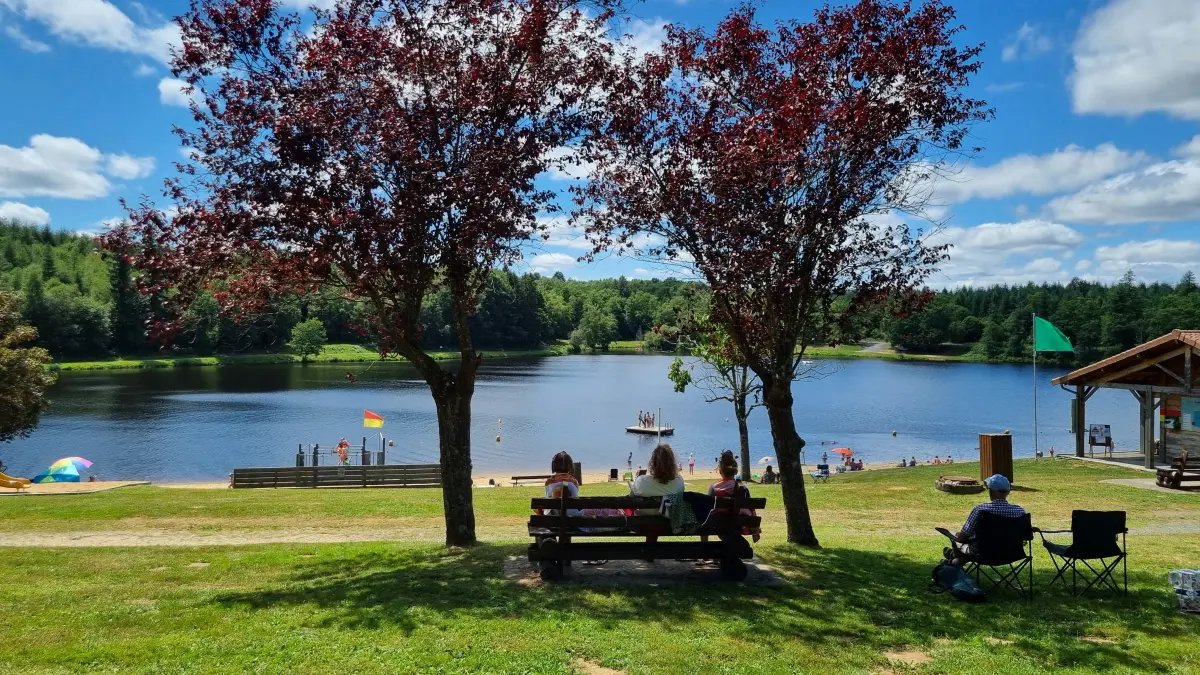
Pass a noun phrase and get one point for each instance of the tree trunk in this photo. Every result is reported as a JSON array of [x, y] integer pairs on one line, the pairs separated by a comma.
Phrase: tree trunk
[[777, 395], [739, 411], [454, 440]]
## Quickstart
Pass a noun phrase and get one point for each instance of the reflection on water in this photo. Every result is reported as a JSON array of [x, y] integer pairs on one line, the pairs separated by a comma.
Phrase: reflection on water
[[200, 423]]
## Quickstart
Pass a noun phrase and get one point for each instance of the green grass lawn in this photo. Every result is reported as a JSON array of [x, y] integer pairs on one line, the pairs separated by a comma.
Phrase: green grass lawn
[[415, 607], [334, 353]]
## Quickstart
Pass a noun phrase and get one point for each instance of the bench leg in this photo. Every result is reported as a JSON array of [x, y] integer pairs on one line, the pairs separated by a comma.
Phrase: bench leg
[[550, 568]]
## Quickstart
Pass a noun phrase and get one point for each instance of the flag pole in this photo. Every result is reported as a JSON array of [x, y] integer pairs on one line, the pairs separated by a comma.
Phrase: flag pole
[[1035, 419]]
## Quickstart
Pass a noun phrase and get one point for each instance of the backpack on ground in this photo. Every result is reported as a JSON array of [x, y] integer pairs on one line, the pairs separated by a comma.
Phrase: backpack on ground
[[947, 577]]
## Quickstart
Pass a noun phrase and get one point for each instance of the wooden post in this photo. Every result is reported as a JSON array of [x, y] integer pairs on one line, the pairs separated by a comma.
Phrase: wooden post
[[1187, 371], [1146, 399], [1081, 427]]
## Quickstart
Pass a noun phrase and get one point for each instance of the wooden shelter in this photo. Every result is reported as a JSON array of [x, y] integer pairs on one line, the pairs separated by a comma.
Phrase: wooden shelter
[[1162, 374]]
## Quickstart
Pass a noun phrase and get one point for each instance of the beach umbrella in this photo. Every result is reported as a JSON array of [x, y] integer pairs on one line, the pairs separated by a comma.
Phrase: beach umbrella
[[65, 470], [842, 451], [78, 462], [766, 460], [62, 474]]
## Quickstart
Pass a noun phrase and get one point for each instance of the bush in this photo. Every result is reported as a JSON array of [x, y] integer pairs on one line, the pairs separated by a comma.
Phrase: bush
[[308, 337]]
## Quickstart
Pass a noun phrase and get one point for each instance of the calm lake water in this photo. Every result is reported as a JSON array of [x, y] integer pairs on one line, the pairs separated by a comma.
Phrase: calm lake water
[[199, 423]]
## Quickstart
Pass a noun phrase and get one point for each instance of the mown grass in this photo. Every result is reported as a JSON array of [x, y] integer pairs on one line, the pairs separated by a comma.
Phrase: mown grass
[[417, 608], [334, 353]]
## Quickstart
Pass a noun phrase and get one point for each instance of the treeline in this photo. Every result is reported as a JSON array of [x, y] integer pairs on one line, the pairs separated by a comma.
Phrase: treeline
[[83, 305], [1100, 320]]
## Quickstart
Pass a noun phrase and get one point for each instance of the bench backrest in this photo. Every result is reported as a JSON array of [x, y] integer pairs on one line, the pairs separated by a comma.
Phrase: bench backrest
[[379, 475], [729, 517]]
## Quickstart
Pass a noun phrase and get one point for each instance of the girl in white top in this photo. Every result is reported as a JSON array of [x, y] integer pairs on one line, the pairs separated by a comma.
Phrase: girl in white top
[[663, 478]]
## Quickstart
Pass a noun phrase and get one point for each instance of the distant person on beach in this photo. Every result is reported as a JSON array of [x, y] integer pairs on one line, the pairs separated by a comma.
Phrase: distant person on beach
[[998, 490], [936, 460], [691, 463], [629, 462], [824, 457], [1052, 452], [912, 461], [949, 459], [769, 476]]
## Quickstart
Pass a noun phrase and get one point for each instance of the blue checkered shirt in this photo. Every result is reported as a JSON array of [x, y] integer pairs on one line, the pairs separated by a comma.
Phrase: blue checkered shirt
[[997, 506]]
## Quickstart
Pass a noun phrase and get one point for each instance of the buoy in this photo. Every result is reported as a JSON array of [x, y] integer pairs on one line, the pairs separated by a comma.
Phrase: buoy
[[893, 432], [726, 419], [497, 438], [391, 444], [1007, 431]]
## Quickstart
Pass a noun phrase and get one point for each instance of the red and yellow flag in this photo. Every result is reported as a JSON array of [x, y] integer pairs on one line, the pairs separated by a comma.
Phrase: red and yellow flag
[[370, 419]]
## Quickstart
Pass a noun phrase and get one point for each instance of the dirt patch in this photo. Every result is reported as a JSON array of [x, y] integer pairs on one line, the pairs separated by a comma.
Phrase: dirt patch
[[585, 667], [908, 657], [1098, 640], [638, 573], [997, 641], [198, 564], [159, 569]]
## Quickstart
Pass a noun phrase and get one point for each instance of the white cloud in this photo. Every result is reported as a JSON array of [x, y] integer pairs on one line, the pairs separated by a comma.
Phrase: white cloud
[[1157, 259], [1082, 265], [1138, 56], [1064, 169], [305, 4], [565, 166], [144, 70], [1163, 192], [24, 213], [54, 166], [1189, 149], [1028, 43], [24, 41], [548, 263], [559, 232], [171, 92], [645, 36], [980, 254], [130, 168], [98, 23]]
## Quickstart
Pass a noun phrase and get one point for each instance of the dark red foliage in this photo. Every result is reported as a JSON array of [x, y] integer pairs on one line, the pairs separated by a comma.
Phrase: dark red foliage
[[390, 149], [760, 153]]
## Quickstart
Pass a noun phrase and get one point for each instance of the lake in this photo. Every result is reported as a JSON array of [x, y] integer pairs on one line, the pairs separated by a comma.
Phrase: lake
[[190, 424]]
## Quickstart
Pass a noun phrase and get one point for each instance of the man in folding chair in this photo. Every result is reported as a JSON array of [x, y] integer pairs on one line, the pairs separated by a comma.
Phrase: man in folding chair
[[996, 535], [1093, 540]]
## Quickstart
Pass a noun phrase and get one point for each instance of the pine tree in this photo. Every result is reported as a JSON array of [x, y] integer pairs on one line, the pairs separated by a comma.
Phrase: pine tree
[[47, 263]]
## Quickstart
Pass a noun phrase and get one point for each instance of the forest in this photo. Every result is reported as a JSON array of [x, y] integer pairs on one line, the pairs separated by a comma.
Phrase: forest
[[82, 303]]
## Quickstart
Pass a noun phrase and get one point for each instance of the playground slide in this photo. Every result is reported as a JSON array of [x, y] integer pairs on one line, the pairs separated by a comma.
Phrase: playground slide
[[10, 482]]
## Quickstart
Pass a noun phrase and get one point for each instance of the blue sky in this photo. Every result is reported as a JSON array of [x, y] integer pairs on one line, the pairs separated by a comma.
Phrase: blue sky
[[1091, 167]]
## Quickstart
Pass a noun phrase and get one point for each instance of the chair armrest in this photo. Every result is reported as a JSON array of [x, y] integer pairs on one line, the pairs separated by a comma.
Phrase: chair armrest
[[1038, 529], [947, 533]]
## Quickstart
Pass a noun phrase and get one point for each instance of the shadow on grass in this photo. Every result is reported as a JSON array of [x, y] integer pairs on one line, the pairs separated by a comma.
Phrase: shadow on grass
[[833, 598]]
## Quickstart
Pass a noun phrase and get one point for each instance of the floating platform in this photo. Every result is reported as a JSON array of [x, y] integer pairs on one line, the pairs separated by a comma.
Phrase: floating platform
[[651, 431]]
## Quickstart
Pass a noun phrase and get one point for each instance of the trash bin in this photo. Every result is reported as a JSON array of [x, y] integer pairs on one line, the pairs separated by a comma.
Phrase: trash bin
[[995, 456], [1187, 589]]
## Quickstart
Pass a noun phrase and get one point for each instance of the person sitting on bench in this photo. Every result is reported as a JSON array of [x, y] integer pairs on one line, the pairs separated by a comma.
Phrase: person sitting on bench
[[562, 465], [998, 490], [663, 479], [729, 486], [769, 476]]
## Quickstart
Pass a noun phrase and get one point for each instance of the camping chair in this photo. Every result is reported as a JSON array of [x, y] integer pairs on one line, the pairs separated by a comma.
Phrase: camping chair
[[613, 476], [1001, 550], [822, 473], [1093, 538]]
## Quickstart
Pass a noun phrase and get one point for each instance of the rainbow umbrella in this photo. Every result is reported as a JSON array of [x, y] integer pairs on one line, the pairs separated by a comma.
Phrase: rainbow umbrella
[[65, 470]]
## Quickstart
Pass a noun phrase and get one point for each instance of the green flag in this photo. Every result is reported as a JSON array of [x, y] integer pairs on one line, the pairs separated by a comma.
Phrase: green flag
[[1047, 338]]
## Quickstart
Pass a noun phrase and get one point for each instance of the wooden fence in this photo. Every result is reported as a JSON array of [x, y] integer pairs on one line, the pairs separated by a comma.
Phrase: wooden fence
[[387, 475]]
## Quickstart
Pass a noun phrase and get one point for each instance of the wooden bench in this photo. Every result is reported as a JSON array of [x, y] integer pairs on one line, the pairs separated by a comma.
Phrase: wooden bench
[[385, 475], [1183, 470], [517, 480], [554, 536]]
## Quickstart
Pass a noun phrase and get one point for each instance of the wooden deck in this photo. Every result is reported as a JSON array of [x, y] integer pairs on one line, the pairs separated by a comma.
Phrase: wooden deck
[[651, 431]]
